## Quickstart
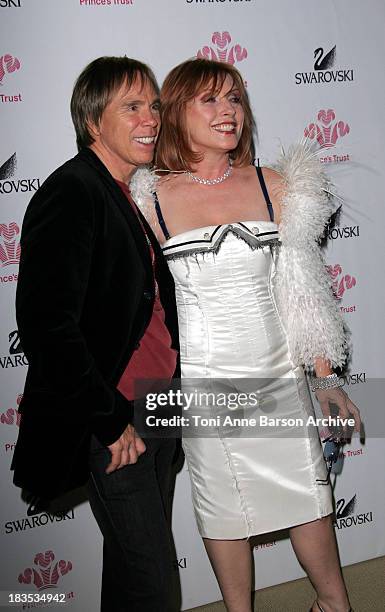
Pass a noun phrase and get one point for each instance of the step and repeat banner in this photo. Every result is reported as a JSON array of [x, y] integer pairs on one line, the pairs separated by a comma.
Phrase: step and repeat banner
[[312, 69]]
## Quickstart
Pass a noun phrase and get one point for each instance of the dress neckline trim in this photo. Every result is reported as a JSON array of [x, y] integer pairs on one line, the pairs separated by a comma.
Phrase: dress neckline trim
[[213, 229]]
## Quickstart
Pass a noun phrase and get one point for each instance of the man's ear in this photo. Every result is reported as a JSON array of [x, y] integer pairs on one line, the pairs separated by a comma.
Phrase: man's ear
[[93, 128]]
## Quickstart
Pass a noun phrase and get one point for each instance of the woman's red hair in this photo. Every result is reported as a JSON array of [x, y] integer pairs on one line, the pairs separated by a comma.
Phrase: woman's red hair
[[183, 84]]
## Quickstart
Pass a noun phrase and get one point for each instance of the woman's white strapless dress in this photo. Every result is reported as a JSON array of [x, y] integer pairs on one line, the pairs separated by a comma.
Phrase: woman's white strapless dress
[[230, 328]]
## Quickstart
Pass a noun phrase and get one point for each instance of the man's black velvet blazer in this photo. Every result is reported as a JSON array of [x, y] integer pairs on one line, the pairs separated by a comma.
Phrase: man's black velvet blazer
[[84, 299]]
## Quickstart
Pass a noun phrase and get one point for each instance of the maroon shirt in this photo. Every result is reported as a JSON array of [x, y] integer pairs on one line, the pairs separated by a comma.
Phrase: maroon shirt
[[154, 359]]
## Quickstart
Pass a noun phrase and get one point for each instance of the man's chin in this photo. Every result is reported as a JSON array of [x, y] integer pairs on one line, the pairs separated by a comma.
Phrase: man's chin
[[145, 160], [144, 152]]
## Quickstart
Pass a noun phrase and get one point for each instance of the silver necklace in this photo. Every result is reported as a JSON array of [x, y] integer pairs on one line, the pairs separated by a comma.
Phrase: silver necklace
[[216, 181]]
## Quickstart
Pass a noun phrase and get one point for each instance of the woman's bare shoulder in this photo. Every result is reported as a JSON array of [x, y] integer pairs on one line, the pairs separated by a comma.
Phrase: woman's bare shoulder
[[171, 180], [171, 186], [272, 177], [275, 184]]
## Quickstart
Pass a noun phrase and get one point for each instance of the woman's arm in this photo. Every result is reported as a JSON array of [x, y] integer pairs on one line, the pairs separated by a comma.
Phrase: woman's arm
[[322, 367], [334, 395], [315, 328]]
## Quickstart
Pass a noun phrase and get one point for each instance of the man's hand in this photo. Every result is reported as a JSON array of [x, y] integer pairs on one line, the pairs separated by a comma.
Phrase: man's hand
[[346, 408], [125, 450]]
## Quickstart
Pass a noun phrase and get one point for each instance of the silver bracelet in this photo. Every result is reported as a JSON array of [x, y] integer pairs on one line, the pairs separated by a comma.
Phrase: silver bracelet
[[332, 381]]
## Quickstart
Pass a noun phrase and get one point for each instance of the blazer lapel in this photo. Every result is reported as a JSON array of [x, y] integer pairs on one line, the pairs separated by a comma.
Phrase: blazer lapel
[[125, 207]]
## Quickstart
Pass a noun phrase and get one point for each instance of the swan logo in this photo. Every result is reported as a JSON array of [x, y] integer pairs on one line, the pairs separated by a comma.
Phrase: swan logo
[[12, 416], [7, 171], [8, 168], [45, 574], [327, 131], [16, 357], [324, 61], [223, 51], [9, 244], [345, 514], [322, 72], [14, 343]]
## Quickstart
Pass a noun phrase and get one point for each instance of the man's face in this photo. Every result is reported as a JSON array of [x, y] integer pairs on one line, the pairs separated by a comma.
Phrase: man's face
[[126, 135]]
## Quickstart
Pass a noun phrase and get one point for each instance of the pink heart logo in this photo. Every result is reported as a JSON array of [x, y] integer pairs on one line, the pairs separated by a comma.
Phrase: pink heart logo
[[9, 231], [2, 71], [7, 417], [335, 270], [326, 116], [221, 39], [12, 63], [240, 53], [350, 281], [65, 567], [44, 559], [26, 577], [204, 53]]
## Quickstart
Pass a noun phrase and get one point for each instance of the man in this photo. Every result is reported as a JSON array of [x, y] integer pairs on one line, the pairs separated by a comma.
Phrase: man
[[91, 272]]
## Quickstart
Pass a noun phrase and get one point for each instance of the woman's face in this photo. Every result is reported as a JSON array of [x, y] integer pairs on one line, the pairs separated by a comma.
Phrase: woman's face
[[215, 121]]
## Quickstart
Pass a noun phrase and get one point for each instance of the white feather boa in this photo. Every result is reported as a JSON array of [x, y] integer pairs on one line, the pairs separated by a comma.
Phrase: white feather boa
[[308, 309], [307, 306], [142, 186]]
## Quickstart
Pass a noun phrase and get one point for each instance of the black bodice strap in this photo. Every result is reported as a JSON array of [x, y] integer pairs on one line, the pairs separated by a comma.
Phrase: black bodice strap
[[161, 220], [265, 192]]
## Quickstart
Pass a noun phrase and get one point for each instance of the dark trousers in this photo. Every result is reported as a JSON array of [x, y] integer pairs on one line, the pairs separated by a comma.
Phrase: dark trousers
[[131, 508]]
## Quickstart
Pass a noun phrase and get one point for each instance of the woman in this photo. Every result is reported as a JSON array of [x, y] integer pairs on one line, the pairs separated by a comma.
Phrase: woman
[[249, 310]]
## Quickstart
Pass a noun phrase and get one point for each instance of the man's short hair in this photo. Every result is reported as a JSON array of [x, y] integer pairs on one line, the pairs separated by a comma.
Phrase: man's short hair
[[95, 87]]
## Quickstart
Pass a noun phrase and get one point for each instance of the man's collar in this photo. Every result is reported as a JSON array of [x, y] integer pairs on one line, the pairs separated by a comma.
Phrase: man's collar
[[88, 155]]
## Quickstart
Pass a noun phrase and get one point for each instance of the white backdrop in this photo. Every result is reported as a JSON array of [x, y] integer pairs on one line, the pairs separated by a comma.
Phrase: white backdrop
[[44, 45]]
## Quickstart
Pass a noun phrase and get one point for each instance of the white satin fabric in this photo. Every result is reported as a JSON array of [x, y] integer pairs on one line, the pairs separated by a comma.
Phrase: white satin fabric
[[230, 329]]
